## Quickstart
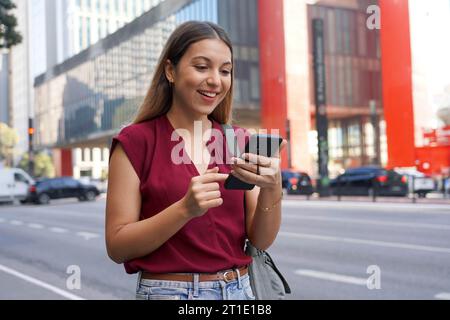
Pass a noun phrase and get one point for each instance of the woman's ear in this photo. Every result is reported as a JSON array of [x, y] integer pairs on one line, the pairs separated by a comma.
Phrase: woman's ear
[[169, 71]]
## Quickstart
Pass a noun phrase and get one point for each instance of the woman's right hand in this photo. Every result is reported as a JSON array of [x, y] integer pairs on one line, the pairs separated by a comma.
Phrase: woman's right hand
[[203, 193]]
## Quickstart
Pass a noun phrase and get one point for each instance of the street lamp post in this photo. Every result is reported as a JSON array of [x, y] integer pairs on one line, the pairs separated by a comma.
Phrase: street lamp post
[[288, 138], [376, 131], [30, 147]]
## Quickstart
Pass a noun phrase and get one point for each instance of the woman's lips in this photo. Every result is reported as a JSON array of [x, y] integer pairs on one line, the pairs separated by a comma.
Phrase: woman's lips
[[208, 96]]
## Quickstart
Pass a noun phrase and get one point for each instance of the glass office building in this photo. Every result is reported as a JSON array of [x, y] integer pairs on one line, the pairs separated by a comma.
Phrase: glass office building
[[86, 99], [81, 103]]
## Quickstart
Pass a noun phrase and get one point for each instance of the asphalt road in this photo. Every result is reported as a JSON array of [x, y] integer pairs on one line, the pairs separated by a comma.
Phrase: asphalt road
[[326, 250]]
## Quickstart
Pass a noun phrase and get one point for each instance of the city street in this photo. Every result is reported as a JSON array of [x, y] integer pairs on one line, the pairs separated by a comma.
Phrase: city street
[[326, 250]]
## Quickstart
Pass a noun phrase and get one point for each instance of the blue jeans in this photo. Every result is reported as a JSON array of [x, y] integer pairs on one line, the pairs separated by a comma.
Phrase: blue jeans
[[238, 289]]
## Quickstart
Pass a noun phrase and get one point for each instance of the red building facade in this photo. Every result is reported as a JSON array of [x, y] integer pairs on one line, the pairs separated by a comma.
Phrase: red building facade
[[367, 70]]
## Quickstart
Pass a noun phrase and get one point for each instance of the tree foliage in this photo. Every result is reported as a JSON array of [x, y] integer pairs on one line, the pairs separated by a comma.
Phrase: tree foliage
[[8, 34], [43, 165], [8, 140]]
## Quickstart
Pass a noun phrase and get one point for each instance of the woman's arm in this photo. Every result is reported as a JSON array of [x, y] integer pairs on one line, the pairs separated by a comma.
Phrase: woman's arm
[[127, 237], [262, 227]]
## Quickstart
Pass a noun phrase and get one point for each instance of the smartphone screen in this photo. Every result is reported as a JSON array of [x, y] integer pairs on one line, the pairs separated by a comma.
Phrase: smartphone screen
[[260, 144]]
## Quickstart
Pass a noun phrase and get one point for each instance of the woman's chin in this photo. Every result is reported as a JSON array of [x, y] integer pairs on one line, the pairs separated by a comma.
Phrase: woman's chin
[[205, 110]]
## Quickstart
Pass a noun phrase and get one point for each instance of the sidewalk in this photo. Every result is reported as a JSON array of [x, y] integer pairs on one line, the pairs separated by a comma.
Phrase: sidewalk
[[431, 199]]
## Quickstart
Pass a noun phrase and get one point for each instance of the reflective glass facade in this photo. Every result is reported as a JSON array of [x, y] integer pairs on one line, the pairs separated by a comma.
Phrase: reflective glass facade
[[92, 95]]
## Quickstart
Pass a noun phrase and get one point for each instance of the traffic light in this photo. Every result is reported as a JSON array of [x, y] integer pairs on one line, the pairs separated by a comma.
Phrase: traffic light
[[30, 147]]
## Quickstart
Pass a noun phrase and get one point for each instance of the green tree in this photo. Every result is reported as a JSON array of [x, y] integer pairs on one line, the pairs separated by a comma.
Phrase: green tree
[[8, 23], [43, 165], [8, 139]]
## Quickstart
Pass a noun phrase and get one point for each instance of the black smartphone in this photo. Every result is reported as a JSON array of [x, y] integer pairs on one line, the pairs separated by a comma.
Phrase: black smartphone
[[261, 144]]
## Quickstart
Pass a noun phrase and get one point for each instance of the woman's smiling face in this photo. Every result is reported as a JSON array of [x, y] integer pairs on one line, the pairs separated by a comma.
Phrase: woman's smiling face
[[203, 77]]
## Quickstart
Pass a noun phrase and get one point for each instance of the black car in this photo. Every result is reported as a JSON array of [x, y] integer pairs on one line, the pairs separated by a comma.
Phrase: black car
[[370, 181], [296, 182], [57, 188]]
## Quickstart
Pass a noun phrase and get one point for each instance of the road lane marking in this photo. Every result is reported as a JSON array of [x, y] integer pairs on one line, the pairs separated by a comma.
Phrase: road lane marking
[[58, 230], [370, 222], [40, 283], [391, 206], [331, 277], [35, 226], [443, 296], [396, 245], [83, 234], [88, 235]]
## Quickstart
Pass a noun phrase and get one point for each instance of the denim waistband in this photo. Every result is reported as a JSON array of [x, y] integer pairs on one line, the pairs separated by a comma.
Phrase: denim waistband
[[189, 284]]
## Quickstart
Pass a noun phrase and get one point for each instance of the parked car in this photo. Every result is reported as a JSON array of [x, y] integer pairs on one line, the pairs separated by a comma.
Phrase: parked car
[[369, 180], [14, 184], [102, 185], [418, 182], [296, 182], [57, 188]]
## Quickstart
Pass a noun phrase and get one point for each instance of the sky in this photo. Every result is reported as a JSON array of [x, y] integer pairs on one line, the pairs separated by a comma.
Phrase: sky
[[430, 34]]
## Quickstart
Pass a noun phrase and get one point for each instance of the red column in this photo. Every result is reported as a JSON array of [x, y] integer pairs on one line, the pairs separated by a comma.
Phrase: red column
[[272, 67], [397, 82], [62, 160], [66, 162]]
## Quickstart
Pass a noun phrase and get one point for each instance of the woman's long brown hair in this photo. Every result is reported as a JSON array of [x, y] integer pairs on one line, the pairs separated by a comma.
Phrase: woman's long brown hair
[[159, 96]]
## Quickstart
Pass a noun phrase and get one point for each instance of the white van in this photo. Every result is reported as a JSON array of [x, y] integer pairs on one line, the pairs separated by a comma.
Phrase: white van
[[14, 184], [422, 183]]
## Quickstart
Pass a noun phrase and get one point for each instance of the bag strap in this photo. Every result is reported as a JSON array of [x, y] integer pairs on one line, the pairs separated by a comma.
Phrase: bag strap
[[231, 139], [287, 288]]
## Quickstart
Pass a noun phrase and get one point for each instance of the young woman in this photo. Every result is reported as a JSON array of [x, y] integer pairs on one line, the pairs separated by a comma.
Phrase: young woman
[[174, 223]]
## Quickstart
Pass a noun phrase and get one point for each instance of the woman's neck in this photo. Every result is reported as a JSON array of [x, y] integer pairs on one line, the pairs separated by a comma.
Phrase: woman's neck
[[179, 118]]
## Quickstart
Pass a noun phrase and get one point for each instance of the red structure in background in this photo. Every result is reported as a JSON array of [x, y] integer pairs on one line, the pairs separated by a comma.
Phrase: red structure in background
[[397, 82], [434, 157], [437, 137], [272, 62], [62, 159], [396, 60], [433, 160]]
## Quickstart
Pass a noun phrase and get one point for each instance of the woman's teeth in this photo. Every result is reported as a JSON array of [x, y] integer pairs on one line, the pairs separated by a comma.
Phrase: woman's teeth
[[208, 94]]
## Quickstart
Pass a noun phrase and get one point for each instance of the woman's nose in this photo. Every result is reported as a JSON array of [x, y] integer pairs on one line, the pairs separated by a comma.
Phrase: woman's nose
[[214, 79]]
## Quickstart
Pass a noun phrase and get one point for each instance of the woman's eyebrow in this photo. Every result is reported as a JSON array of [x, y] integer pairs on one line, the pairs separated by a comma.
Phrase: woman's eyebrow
[[209, 60]]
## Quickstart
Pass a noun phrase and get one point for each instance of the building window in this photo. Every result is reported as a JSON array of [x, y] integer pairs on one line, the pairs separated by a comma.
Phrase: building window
[[88, 31], [354, 140], [80, 34], [104, 27], [124, 7], [85, 155], [99, 28]]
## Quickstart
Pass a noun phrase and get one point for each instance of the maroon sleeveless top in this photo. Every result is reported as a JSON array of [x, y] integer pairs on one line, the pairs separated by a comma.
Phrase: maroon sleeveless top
[[210, 243]]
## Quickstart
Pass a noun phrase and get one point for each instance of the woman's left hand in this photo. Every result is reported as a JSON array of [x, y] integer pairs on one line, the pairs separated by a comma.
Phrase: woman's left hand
[[259, 170]]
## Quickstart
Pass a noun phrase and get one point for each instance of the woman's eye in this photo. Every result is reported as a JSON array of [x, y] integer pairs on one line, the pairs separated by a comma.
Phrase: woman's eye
[[201, 67], [226, 72]]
